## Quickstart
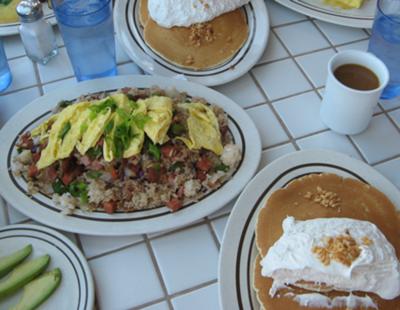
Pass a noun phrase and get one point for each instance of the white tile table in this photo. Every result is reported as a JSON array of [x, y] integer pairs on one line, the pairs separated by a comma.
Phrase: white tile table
[[282, 93]]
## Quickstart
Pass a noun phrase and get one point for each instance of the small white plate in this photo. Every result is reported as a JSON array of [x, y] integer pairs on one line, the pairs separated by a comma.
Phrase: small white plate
[[130, 34], [76, 290], [238, 246], [358, 18], [12, 28], [42, 209]]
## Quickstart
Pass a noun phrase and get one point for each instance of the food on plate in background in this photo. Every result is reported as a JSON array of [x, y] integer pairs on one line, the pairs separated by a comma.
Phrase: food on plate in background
[[196, 34], [345, 4], [7, 11], [38, 286], [327, 242], [129, 150]]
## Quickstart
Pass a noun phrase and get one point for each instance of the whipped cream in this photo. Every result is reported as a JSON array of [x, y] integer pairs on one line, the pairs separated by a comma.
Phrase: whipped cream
[[170, 13], [317, 300], [291, 258]]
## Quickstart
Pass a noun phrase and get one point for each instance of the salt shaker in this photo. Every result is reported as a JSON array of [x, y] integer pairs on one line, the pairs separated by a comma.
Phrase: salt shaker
[[36, 33]]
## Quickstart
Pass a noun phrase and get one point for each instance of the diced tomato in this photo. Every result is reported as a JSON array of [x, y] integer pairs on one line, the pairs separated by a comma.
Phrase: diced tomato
[[110, 207], [114, 174], [51, 173], [67, 178], [26, 141], [167, 150], [152, 175], [204, 164], [174, 204], [201, 175], [35, 157], [65, 165], [32, 171]]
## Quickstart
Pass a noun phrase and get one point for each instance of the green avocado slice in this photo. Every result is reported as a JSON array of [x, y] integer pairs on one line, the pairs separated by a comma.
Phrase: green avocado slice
[[22, 275], [40, 289], [7, 263]]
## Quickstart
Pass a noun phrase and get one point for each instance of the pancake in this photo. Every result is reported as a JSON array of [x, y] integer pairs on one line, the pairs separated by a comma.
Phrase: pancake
[[200, 46], [351, 199], [7, 12]]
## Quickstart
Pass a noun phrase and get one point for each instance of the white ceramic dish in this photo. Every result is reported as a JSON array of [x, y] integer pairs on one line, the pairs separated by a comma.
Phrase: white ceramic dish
[[42, 209], [130, 34], [358, 18], [76, 290], [238, 246], [12, 28]]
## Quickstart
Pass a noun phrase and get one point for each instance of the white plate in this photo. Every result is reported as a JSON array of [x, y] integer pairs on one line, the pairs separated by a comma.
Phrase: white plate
[[359, 18], [76, 290], [12, 28], [130, 34], [238, 246], [42, 209]]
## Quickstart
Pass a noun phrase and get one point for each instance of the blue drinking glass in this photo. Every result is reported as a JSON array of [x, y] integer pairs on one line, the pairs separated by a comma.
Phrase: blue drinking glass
[[385, 43], [88, 32], [5, 74]]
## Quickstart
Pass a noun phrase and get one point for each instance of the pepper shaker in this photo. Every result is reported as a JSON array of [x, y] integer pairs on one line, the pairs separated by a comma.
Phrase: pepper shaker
[[36, 33]]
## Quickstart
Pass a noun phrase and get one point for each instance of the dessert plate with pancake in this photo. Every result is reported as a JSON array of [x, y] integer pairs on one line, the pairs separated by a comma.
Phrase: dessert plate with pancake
[[351, 13], [210, 42], [9, 20], [313, 230]]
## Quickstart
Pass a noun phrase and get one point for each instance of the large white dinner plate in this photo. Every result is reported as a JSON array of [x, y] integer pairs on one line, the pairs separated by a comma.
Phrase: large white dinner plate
[[359, 18], [12, 28], [238, 246], [76, 290], [42, 209], [130, 34]]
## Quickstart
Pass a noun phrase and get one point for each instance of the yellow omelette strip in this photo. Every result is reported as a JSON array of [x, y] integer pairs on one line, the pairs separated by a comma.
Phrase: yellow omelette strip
[[136, 144], [160, 111], [51, 153], [75, 133], [203, 128], [42, 129]]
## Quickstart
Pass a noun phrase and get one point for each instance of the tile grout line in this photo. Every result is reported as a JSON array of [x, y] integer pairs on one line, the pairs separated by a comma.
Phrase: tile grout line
[[124, 247], [158, 271], [386, 160]]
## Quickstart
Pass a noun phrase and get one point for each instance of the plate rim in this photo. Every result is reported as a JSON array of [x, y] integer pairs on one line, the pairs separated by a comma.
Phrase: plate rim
[[53, 234], [210, 204], [227, 264], [329, 18], [133, 49]]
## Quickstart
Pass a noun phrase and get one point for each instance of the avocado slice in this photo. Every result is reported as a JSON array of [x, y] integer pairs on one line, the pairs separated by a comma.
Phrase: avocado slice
[[37, 291], [23, 274], [7, 263]]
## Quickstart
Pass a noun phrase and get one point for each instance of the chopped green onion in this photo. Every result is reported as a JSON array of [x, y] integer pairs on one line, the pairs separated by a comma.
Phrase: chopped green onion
[[140, 120], [93, 174], [221, 167], [79, 189], [58, 187], [177, 129], [62, 103], [103, 107], [19, 150], [83, 128], [175, 166], [94, 152], [64, 130], [109, 127], [154, 150]]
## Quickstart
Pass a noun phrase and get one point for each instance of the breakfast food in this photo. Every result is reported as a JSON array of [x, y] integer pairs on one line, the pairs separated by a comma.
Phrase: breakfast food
[[8, 13], [327, 242], [130, 150], [345, 4], [197, 34]]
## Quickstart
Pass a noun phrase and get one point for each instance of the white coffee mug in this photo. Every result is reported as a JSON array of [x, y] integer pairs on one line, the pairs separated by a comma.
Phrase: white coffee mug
[[347, 110]]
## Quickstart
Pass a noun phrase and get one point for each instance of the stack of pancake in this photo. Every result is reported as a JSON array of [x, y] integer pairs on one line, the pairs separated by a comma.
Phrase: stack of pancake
[[351, 199], [199, 46]]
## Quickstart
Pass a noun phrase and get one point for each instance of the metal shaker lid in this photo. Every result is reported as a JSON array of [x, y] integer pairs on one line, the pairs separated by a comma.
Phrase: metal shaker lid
[[30, 10]]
